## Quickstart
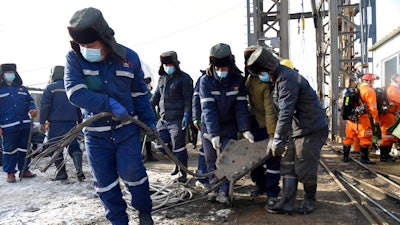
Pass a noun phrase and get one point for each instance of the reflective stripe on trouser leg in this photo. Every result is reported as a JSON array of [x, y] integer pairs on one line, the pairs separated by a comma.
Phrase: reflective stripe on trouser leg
[[211, 157], [272, 176], [14, 150], [103, 156]]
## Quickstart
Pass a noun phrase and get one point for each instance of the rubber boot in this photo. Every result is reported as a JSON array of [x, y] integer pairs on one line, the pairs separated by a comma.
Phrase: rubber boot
[[308, 204], [183, 177], [175, 170], [149, 153], [385, 154], [77, 158], [289, 193], [145, 219], [346, 152], [364, 155], [62, 172], [259, 189]]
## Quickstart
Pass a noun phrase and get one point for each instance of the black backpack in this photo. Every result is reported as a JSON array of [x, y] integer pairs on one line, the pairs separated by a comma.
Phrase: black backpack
[[351, 99], [382, 101]]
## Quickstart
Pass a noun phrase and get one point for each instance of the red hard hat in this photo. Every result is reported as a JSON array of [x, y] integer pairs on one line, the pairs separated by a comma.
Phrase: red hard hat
[[370, 76]]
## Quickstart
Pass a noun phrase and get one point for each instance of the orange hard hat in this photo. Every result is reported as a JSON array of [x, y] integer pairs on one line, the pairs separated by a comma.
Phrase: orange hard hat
[[370, 77]]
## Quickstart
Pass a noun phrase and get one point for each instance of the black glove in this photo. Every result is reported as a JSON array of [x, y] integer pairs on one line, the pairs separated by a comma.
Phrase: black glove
[[151, 134]]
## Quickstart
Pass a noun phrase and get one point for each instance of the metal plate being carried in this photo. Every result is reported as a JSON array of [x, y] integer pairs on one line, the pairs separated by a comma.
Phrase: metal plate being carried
[[238, 158]]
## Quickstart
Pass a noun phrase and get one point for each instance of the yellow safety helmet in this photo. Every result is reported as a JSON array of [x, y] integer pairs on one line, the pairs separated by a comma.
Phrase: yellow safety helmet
[[288, 63]]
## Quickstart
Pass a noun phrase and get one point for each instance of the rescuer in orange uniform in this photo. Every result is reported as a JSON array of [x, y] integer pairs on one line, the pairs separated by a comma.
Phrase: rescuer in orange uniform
[[363, 128], [387, 119]]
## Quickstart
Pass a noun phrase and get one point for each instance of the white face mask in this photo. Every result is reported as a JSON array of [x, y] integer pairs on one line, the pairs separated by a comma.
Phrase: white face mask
[[91, 54], [9, 77]]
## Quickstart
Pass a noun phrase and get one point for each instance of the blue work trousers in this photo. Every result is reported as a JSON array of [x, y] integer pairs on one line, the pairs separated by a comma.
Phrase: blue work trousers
[[57, 129], [111, 161], [266, 175], [15, 144]]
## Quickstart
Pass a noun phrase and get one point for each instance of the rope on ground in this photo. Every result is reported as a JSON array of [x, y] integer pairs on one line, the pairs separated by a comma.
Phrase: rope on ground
[[164, 194]]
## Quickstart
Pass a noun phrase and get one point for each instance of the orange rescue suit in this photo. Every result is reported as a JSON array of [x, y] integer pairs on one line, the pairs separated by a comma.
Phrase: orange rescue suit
[[387, 119], [363, 128]]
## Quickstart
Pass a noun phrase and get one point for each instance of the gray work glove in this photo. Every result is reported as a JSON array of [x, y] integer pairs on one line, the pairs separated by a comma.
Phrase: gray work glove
[[276, 147]]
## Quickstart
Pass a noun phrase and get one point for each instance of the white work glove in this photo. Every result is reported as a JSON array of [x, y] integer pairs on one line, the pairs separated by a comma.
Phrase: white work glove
[[248, 136], [216, 142], [276, 147], [269, 146]]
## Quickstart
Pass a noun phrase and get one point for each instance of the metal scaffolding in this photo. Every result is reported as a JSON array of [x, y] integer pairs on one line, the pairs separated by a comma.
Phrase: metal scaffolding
[[344, 28]]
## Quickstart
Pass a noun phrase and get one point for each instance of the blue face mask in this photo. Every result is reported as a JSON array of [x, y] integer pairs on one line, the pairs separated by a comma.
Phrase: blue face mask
[[91, 54], [169, 69], [9, 76], [264, 77], [222, 74]]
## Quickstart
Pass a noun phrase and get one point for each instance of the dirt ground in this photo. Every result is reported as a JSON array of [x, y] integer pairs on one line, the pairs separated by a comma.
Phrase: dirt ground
[[333, 206]]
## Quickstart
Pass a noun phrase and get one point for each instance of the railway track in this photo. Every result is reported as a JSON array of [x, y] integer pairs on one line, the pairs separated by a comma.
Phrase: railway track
[[375, 193]]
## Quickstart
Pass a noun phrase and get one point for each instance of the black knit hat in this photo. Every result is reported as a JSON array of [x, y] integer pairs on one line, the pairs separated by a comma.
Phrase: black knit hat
[[88, 25], [262, 59]]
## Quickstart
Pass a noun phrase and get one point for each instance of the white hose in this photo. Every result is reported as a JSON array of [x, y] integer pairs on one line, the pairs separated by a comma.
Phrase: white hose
[[163, 194]]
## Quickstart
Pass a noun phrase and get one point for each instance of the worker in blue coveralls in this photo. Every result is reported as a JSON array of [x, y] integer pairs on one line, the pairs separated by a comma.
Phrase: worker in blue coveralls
[[196, 110], [263, 123], [173, 97], [16, 105], [224, 110], [104, 76], [59, 116], [303, 120]]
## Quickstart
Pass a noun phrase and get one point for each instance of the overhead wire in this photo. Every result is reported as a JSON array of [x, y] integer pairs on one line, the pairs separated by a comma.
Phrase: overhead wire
[[191, 26]]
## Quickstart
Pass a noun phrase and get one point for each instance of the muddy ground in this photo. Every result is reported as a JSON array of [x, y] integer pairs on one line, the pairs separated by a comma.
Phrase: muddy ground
[[333, 206]]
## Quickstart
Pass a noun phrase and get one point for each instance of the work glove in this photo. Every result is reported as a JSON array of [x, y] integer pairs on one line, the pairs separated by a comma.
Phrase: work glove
[[185, 120], [152, 133], [276, 147], [42, 127], [119, 111], [196, 123], [33, 112], [216, 142], [248, 136], [359, 110]]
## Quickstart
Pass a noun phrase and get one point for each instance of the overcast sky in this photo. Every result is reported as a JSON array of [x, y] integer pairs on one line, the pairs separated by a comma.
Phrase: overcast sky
[[34, 34]]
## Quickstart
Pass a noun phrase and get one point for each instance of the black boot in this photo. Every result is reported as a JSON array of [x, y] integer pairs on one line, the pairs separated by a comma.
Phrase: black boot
[[385, 154], [62, 172], [346, 152], [77, 158], [259, 189], [145, 219], [149, 153], [308, 204], [183, 177], [175, 170], [364, 155], [289, 193]]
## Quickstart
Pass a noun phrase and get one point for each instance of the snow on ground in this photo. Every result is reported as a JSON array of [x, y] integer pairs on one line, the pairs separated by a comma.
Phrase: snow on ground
[[41, 201]]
